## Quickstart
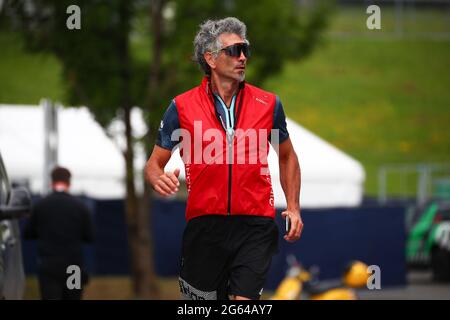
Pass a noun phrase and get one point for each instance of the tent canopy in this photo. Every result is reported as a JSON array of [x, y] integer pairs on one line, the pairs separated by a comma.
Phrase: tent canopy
[[96, 164]]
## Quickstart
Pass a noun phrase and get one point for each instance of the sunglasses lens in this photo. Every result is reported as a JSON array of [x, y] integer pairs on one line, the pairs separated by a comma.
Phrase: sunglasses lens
[[233, 51], [236, 49], [246, 50]]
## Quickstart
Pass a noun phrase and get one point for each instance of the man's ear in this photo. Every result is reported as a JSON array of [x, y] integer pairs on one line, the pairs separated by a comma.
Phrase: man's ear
[[210, 60]]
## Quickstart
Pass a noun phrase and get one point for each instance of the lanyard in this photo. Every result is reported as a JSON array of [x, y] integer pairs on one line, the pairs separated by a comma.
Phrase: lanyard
[[229, 115]]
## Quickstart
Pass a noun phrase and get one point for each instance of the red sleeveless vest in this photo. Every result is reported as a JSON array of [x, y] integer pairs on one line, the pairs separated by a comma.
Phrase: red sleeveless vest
[[227, 176]]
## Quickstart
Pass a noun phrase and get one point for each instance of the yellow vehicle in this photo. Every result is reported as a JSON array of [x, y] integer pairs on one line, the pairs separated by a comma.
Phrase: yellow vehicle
[[300, 283]]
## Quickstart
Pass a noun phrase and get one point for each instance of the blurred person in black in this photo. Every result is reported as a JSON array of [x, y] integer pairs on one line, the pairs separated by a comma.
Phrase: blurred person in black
[[61, 224]]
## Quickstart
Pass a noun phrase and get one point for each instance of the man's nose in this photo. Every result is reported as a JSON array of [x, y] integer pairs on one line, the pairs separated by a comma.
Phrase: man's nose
[[242, 57]]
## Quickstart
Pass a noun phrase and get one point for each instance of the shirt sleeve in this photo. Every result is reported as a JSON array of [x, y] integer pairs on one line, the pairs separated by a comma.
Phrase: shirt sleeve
[[169, 123], [279, 121]]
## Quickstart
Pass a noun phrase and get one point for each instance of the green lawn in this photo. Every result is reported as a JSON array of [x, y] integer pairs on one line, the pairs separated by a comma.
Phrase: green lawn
[[380, 99]]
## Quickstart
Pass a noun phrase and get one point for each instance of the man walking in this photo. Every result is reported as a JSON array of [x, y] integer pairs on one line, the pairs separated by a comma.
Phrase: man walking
[[223, 128], [60, 223]]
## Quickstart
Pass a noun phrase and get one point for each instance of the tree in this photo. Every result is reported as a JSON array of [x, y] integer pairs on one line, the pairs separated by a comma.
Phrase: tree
[[100, 73]]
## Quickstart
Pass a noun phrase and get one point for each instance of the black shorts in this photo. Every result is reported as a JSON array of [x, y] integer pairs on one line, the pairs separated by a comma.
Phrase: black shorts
[[227, 255]]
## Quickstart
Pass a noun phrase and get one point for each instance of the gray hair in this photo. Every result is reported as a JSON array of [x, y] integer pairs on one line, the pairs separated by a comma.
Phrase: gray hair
[[207, 38]]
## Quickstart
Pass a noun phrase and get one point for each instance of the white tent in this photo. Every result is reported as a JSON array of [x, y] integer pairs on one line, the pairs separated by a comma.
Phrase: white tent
[[330, 178], [95, 162]]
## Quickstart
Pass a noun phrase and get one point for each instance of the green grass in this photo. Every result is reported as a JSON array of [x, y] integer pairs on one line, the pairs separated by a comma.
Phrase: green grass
[[380, 98]]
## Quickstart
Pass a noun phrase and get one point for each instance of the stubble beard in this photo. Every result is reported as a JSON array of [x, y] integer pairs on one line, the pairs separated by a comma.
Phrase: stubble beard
[[242, 77]]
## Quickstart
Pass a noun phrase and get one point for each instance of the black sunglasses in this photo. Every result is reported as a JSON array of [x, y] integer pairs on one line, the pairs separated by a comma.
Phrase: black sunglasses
[[236, 49]]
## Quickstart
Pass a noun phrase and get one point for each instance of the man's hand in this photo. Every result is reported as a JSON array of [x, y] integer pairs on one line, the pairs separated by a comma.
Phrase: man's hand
[[167, 183], [296, 225]]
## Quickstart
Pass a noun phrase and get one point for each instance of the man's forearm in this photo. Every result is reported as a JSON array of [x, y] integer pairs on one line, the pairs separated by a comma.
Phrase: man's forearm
[[290, 177]]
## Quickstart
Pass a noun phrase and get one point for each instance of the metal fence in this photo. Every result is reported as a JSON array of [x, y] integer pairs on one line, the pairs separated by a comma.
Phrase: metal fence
[[427, 181]]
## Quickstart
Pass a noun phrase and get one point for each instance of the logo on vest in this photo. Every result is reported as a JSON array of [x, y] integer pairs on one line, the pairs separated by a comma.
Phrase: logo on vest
[[261, 101]]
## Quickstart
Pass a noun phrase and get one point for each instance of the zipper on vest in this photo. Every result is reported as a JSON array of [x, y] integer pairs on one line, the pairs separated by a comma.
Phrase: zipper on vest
[[239, 107], [230, 137]]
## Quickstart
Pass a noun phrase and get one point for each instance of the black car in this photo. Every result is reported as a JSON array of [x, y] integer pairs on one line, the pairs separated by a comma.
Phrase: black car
[[14, 204]]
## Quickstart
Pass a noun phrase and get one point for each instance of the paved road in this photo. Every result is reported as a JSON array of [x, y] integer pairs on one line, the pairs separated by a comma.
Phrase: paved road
[[420, 287]]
